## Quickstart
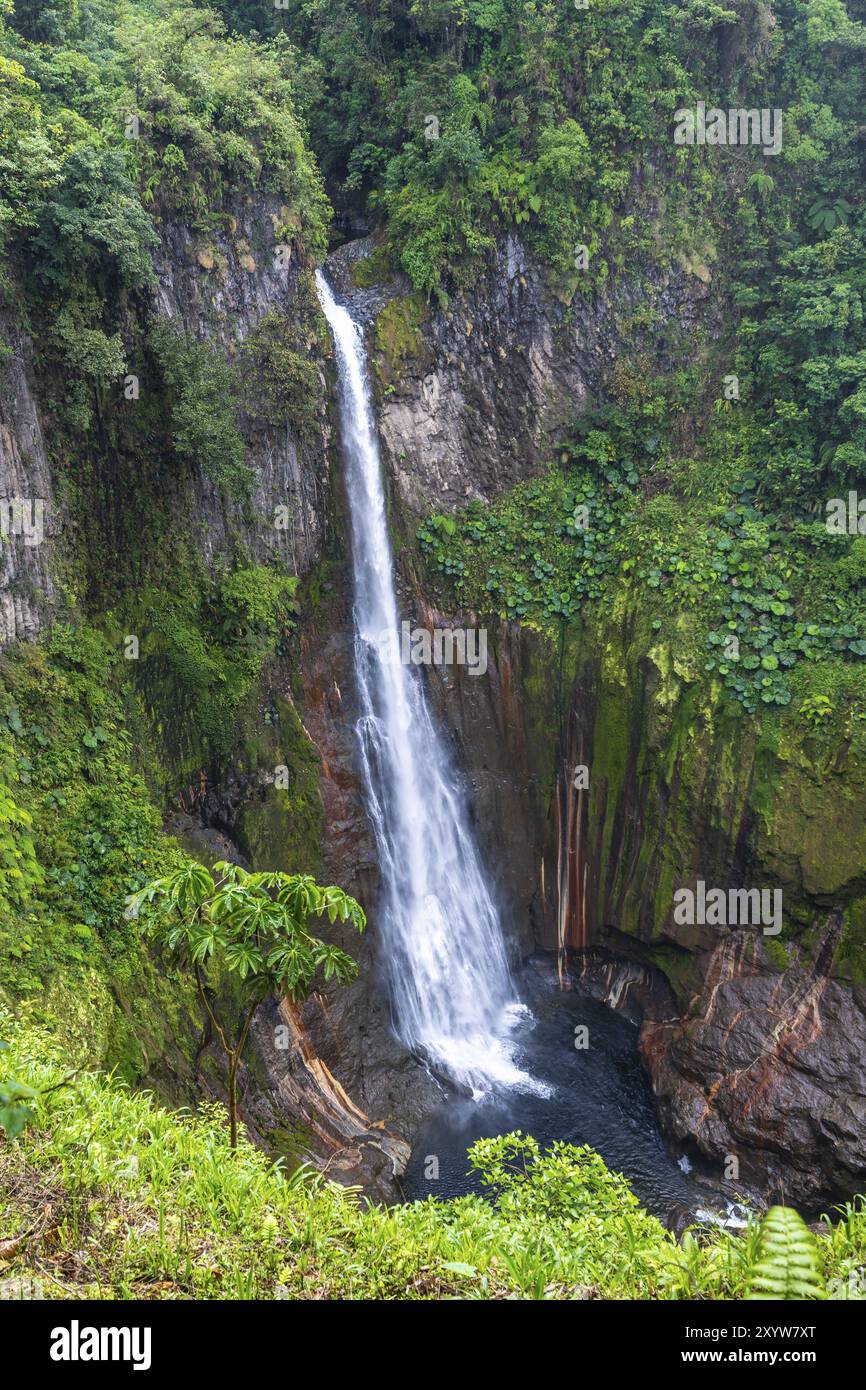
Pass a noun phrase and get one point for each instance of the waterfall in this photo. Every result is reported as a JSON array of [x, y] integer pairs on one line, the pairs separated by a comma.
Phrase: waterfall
[[449, 981]]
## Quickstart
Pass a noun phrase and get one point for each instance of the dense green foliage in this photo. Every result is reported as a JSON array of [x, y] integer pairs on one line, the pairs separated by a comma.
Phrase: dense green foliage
[[199, 386], [203, 650], [181, 1215], [458, 119], [740, 591], [253, 924], [117, 118], [79, 833], [80, 728], [281, 380], [90, 834], [213, 112], [16, 1103]]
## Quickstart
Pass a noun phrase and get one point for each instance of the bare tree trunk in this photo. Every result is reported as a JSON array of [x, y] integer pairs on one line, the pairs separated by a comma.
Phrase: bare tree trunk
[[233, 1101], [234, 1063]]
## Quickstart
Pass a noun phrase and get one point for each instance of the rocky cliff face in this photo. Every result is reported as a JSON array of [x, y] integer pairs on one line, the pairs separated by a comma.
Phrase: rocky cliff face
[[473, 396], [766, 1068], [29, 519], [219, 290], [760, 1061]]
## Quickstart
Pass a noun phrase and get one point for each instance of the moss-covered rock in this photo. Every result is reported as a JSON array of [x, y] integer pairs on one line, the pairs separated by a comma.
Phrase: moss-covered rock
[[398, 338], [281, 821], [683, 785]]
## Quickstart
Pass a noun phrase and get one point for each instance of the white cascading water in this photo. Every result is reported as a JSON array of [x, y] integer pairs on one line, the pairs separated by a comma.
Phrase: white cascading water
[[449, 980]]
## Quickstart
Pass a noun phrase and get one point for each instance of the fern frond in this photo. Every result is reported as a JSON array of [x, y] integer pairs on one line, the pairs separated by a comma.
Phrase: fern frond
[[787, 1263]]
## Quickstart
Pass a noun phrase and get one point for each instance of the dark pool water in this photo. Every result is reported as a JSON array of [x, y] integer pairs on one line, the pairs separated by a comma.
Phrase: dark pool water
[[598, 1096]]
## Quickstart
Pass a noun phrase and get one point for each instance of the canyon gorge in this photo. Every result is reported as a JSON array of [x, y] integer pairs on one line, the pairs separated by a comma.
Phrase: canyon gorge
[[290, 364]]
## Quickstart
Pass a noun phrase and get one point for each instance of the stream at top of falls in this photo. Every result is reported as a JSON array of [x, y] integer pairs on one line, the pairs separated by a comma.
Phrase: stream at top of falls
[[454, 1000]]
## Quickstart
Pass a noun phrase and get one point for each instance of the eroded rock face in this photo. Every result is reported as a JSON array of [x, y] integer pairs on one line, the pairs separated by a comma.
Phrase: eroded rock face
[[508, 786], [331, 1126], [481, 389], [26, 568], [219, 290], [769, 1070]]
